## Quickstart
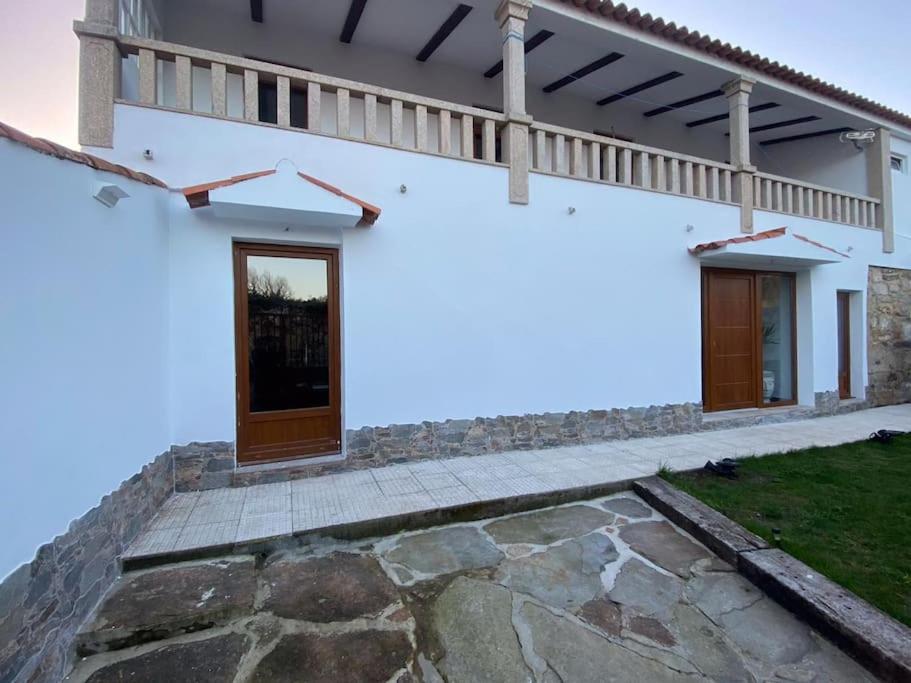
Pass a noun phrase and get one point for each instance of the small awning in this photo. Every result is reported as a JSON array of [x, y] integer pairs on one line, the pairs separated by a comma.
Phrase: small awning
[[283, 195], [780, 247]]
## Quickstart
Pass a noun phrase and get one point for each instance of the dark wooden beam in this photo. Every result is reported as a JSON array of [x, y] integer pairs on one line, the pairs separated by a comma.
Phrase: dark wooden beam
[[584, 71], [805, 136], [355, 10], [530, 44], [256, 11], [712, 94], [783, 124], [722, 117], [670, 76], [458, 14]]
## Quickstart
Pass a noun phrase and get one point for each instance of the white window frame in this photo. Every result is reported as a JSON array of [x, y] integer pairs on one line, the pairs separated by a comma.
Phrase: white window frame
[[137, 18]]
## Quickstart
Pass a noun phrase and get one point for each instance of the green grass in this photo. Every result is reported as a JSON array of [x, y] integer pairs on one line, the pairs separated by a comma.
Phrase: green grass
[[845, 511]]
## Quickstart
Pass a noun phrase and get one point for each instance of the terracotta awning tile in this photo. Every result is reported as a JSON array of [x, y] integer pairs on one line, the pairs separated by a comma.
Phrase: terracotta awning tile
[[59, 151], [198, 195], [757, 237]]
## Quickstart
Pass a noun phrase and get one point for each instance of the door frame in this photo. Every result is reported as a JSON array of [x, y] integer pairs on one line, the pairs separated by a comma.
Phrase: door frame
[[843, 342], [247, 455], [705, 273]]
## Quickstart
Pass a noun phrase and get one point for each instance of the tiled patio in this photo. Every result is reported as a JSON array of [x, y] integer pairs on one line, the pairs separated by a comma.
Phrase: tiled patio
[[195, 521]]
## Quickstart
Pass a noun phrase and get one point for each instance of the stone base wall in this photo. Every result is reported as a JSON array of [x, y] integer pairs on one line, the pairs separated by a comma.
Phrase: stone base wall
[[203, 466], [43, 603], [889, 335], [377, 446]]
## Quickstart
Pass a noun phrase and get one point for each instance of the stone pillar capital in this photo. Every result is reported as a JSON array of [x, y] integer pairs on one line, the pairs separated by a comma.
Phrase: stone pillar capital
[[738, 86], [513, 9]]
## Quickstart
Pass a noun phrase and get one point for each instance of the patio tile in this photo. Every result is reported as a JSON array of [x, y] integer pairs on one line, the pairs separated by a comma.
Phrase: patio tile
[[205, 535], [399, 486], [437, 481], [209, 514], [171, 518], [282, 488], [153, 542], [264, 526], [262, 505]]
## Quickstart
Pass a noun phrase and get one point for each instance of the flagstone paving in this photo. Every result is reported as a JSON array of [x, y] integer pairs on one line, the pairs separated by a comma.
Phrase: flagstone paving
[[599, 590]]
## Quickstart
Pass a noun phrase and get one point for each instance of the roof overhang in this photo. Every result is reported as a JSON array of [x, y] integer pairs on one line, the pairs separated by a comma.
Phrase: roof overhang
[[282, 195], [778, 248]]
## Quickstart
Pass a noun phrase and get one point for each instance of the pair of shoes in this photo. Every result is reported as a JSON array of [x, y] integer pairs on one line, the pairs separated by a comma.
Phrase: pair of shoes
[[885, 435], [726, 467]]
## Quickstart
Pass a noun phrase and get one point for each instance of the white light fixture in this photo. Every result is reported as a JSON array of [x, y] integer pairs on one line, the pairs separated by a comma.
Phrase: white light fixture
[[109, 194]]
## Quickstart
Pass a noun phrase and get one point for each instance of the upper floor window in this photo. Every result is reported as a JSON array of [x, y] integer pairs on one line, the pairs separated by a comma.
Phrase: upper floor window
[[137, 18], [899, 163]]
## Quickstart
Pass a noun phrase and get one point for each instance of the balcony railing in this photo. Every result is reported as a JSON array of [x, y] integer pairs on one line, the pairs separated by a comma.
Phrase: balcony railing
[[797, 198], [347, 109], [365, 112], [570, 153]]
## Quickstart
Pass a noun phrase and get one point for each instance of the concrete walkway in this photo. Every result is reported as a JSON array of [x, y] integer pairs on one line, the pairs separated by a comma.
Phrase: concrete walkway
[[219, 519]]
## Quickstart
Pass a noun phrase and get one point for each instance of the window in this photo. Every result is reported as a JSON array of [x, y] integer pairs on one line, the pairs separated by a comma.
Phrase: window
[[899, 163], [137, 18]]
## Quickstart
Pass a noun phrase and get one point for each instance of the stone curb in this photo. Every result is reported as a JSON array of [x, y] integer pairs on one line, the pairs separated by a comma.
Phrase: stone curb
[[878, 641], [382, 526]]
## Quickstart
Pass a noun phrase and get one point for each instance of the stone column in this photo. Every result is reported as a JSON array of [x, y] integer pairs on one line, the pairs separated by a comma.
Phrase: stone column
[[738, 93], [99, 72], [511, 16], [879, 174]]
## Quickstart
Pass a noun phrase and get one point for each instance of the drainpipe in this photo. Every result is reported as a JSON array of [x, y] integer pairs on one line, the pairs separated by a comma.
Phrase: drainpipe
[[738, 93], [512, 15], [99, 72]]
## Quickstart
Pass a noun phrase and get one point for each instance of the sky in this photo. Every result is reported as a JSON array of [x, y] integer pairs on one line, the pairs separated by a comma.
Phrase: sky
[[859, 46]]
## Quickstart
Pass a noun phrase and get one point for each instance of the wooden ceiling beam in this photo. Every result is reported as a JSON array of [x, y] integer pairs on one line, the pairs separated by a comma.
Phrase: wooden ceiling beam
[[664, 78], [712, 94], [355, 10], [530, 44], [804, 136], [722, 117], [583, 72], [458, 14]]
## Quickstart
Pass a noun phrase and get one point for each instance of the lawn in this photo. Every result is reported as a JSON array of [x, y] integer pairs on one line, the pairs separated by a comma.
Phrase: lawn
[[845, 511]]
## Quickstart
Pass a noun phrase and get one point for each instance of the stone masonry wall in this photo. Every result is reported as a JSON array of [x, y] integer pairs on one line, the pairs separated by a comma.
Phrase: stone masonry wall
[[889, 335], [43, 603], [377, 446]]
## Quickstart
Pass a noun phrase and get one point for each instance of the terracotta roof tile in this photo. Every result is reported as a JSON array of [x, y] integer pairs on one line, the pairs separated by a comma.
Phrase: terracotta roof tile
[[704, 43], [757, 237], [370, 212], [53, 149], [198, 195]]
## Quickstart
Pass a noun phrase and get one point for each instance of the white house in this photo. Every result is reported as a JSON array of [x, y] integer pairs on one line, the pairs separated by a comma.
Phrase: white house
[[412, 228]]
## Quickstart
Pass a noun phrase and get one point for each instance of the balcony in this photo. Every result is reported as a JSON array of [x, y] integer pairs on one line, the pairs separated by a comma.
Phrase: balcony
[[175, 77]]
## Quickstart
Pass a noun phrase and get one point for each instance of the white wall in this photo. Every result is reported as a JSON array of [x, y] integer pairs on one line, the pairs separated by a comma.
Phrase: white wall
[[82, 349], [458, 304]]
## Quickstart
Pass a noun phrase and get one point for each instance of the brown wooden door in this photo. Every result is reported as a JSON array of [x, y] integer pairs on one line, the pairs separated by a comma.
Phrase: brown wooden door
[[844, 345], [287, 341], [729, 340]]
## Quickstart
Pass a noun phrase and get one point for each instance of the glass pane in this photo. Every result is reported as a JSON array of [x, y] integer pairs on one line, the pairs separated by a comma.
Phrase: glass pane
[[288, 313], [777, 338]]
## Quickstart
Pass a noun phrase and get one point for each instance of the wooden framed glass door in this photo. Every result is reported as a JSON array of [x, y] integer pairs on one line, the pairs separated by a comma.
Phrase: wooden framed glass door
[[287, 338], [748, 339]]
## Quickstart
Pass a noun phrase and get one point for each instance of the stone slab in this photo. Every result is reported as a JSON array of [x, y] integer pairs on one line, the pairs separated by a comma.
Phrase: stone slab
[[443, 551], [661, 543], [548, 526], [880, 642], [369, 656], [724, 537], [214, 660], [340, 586], [157, 604]]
